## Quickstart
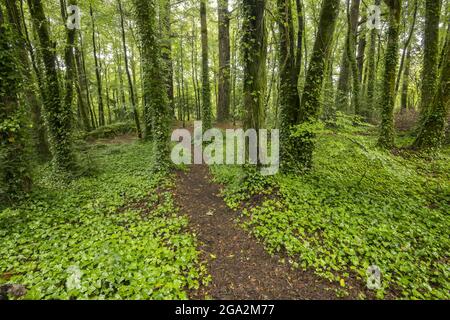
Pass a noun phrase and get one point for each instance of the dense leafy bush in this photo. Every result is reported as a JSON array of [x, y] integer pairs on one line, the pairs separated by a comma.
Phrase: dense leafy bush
[[359, 207], [116, 235]]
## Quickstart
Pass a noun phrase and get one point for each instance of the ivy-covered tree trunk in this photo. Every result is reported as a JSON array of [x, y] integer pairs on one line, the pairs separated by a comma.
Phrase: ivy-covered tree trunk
[[344, 85], [101, 111], [288, 91], [406, 47], [69, 57], [14, 169], [58, 115], [310, 104], [223, 107], [39, 131], [254, 46], [156, 105], [432, 130], [82, 90], [127, 69], [351, 49], [386, 138], [431, 56], [206, 91], [166, 48], [372, 70], [405, 86]]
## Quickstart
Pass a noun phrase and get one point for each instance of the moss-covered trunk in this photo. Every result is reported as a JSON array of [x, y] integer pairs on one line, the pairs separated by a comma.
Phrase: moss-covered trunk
[[14, 173], [288, 92], [310, 104], [386, 138], [344, 84], [58, 115], [431, 56], [432, 131], [223, 107], [206, 90], [156, 105]]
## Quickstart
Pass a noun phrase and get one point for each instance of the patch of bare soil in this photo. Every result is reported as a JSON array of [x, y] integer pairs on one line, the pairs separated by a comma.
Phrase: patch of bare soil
[[239, 265]]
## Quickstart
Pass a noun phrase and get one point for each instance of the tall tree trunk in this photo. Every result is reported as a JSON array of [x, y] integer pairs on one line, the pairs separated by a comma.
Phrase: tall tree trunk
[[194, 70], [372, 70], [432, 131], [83, 96], [310, 104], [18, 22], [405, 87], [69, 61], [360, 57], [14, 167], [58, 114], [351, 58], [166, 45], [254, 52], [344, 85], [406, 47], [156, 107], [223, 107], [86, 81], [206, 90], [386, 138], [289, 97], [101, 112], [431, 56], [127, 69]]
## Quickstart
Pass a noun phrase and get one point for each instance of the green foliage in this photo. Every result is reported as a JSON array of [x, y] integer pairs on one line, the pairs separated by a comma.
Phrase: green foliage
[[120, 229], [14, 168], [360, 207]]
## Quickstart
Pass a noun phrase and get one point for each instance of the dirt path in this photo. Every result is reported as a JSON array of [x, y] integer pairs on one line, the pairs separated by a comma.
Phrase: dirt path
[[239, 265]]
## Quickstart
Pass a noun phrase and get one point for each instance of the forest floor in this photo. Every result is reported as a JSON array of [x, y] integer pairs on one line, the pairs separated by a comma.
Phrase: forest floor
[[239, 265], [124, 232]]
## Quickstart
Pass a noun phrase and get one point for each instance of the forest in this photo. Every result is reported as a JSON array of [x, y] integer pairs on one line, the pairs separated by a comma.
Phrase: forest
[[354, 95]]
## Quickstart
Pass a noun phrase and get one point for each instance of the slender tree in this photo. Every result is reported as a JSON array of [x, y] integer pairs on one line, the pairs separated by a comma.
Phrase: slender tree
[[127, 70], [166, 48], [14, 168], [254, 45], [310, 104], [288, 92], [17, 20], [432, 130], [223, 107], [372, 70], [206, 90], [59, 115], [344, 84], [101, 111], [156, 108], [431, 56], [386, 138], [351, 58]]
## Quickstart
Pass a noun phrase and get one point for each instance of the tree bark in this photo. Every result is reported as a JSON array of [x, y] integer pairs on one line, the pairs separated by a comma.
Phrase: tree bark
[[432, 131], [386, 138], [223, 107], [58, 114], [431, 56], [127, 69], [156, 105], [101, 111], [310, 104], [206, 90], [344, 85]]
